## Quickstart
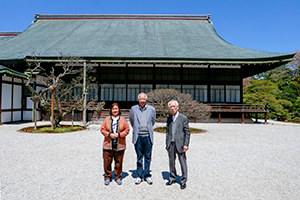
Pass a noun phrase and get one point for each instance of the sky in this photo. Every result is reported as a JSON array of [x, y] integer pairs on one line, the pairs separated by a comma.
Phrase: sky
[[265, 25]]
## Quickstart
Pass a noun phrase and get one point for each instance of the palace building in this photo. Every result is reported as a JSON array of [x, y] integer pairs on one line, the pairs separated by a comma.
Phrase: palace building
[[139, 53]]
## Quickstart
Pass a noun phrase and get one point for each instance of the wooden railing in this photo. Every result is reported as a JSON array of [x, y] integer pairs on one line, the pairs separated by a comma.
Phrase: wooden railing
[[240, 108], [247, 108]]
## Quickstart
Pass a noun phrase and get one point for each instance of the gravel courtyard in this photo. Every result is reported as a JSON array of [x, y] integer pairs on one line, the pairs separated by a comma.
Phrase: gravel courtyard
[[229, 161]]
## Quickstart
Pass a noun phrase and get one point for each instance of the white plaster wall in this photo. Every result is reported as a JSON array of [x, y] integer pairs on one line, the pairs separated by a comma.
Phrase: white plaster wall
[[5, 117], [17, 98], [17, 80], [6, 96], [27, 115], [29, 104], [17, 115], [7, 78], [39, 88]]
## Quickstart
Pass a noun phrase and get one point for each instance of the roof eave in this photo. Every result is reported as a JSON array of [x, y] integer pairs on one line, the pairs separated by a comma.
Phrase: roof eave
[[280, 59]]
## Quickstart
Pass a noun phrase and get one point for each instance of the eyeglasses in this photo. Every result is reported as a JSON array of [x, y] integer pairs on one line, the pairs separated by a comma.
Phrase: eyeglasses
[[172, 106]]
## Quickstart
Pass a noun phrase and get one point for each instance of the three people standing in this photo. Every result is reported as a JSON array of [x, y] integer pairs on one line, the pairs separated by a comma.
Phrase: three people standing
[[142, 118]]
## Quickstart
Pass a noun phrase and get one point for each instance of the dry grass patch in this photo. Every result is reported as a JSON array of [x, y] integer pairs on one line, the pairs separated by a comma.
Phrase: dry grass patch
[[193, 130], [47, 129]]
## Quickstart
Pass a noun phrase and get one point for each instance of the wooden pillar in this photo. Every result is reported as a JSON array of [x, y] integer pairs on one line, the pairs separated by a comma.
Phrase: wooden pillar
[[126, 79], [153, 77], [256, 118], [34, 114], [52, 109], [83, 92], [99, 82], [208, 85], [243, 118], [181, 76], [0, 98], [219, 117], [12, 100], [266, 117], [22, 96]]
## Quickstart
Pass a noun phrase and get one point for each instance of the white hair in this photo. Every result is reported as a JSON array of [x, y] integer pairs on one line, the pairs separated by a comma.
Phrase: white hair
[[143, 94], [176, 103]]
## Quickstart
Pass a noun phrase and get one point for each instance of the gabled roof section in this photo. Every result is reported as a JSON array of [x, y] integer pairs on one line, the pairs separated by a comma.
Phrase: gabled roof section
[[123, 37], [8, 35], [5, 70]]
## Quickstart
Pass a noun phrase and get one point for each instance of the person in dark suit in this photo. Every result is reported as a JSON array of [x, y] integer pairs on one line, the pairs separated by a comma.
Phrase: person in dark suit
[[142, 119], [177, 142]]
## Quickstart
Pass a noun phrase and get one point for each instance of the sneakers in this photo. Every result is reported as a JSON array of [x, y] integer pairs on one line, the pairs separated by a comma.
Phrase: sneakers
[[149, 180], [119, 181], [107, 181], [138, 180]]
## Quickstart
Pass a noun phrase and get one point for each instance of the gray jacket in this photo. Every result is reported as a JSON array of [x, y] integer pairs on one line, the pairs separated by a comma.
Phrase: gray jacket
[[182, 134], [135, 121]]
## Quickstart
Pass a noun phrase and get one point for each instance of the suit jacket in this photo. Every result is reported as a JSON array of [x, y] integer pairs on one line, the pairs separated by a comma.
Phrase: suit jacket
[[182, 134], [135, 121]]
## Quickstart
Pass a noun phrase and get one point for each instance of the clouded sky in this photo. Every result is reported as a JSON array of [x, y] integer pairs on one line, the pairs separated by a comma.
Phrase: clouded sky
[[265, 25]]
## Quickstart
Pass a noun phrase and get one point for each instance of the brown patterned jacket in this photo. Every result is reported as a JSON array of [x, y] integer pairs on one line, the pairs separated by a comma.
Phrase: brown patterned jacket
[[122, 129]]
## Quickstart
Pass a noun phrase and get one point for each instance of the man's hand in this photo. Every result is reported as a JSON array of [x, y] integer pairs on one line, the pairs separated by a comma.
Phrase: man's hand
[[185, 148]]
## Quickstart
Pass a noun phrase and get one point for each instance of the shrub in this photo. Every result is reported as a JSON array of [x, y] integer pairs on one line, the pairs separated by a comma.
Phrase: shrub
[[159, 99]]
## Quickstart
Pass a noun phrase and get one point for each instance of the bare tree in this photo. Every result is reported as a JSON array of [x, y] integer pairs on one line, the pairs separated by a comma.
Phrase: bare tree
[[63, 102], [92, 103], [52, 79], [159, 98]]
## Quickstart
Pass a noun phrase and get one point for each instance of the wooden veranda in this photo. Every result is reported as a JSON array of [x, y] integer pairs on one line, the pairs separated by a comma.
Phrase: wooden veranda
[[240, 108]]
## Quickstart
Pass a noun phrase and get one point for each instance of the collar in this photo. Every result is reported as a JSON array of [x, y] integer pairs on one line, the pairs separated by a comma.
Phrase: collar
[[175, 117], [143, 109]]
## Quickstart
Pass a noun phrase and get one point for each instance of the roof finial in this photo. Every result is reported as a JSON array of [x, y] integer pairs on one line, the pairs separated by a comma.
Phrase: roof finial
[[36, 17]]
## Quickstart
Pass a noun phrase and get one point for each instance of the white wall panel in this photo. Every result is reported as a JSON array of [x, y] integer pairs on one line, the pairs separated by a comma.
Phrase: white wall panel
[[29, 103], [17, 80], [5, 117], [27, 115], [17, 98], [39, 88], [6, 96], [7, 78], [17, 116]]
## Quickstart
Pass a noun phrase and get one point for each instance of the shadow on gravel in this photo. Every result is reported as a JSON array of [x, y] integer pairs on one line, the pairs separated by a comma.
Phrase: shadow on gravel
[[166, 175], [124, 175], [134, 173]]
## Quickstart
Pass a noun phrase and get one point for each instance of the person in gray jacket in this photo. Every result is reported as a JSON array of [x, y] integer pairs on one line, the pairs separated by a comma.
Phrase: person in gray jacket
[[142, 119], [177, 142]]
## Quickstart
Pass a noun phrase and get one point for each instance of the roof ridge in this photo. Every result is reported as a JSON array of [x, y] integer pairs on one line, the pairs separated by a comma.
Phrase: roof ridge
[[122, 16], [10, 33]]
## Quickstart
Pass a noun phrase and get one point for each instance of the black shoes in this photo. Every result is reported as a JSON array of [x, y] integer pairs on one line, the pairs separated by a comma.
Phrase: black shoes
[[170, 182], [182, 186]]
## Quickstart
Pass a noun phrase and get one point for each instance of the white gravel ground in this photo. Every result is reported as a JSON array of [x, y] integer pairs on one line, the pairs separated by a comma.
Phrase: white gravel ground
[[229, 161]]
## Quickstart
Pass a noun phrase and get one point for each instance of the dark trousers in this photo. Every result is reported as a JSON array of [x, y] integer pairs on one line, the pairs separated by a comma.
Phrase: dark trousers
[[182, 160], [143, 149], [108, 157]]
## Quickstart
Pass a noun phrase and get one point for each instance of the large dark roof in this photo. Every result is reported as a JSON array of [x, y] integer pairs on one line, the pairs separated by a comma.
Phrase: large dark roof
[[175, 37]]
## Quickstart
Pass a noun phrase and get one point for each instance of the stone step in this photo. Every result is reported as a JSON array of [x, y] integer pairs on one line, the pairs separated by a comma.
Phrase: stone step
[[105, 113]]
